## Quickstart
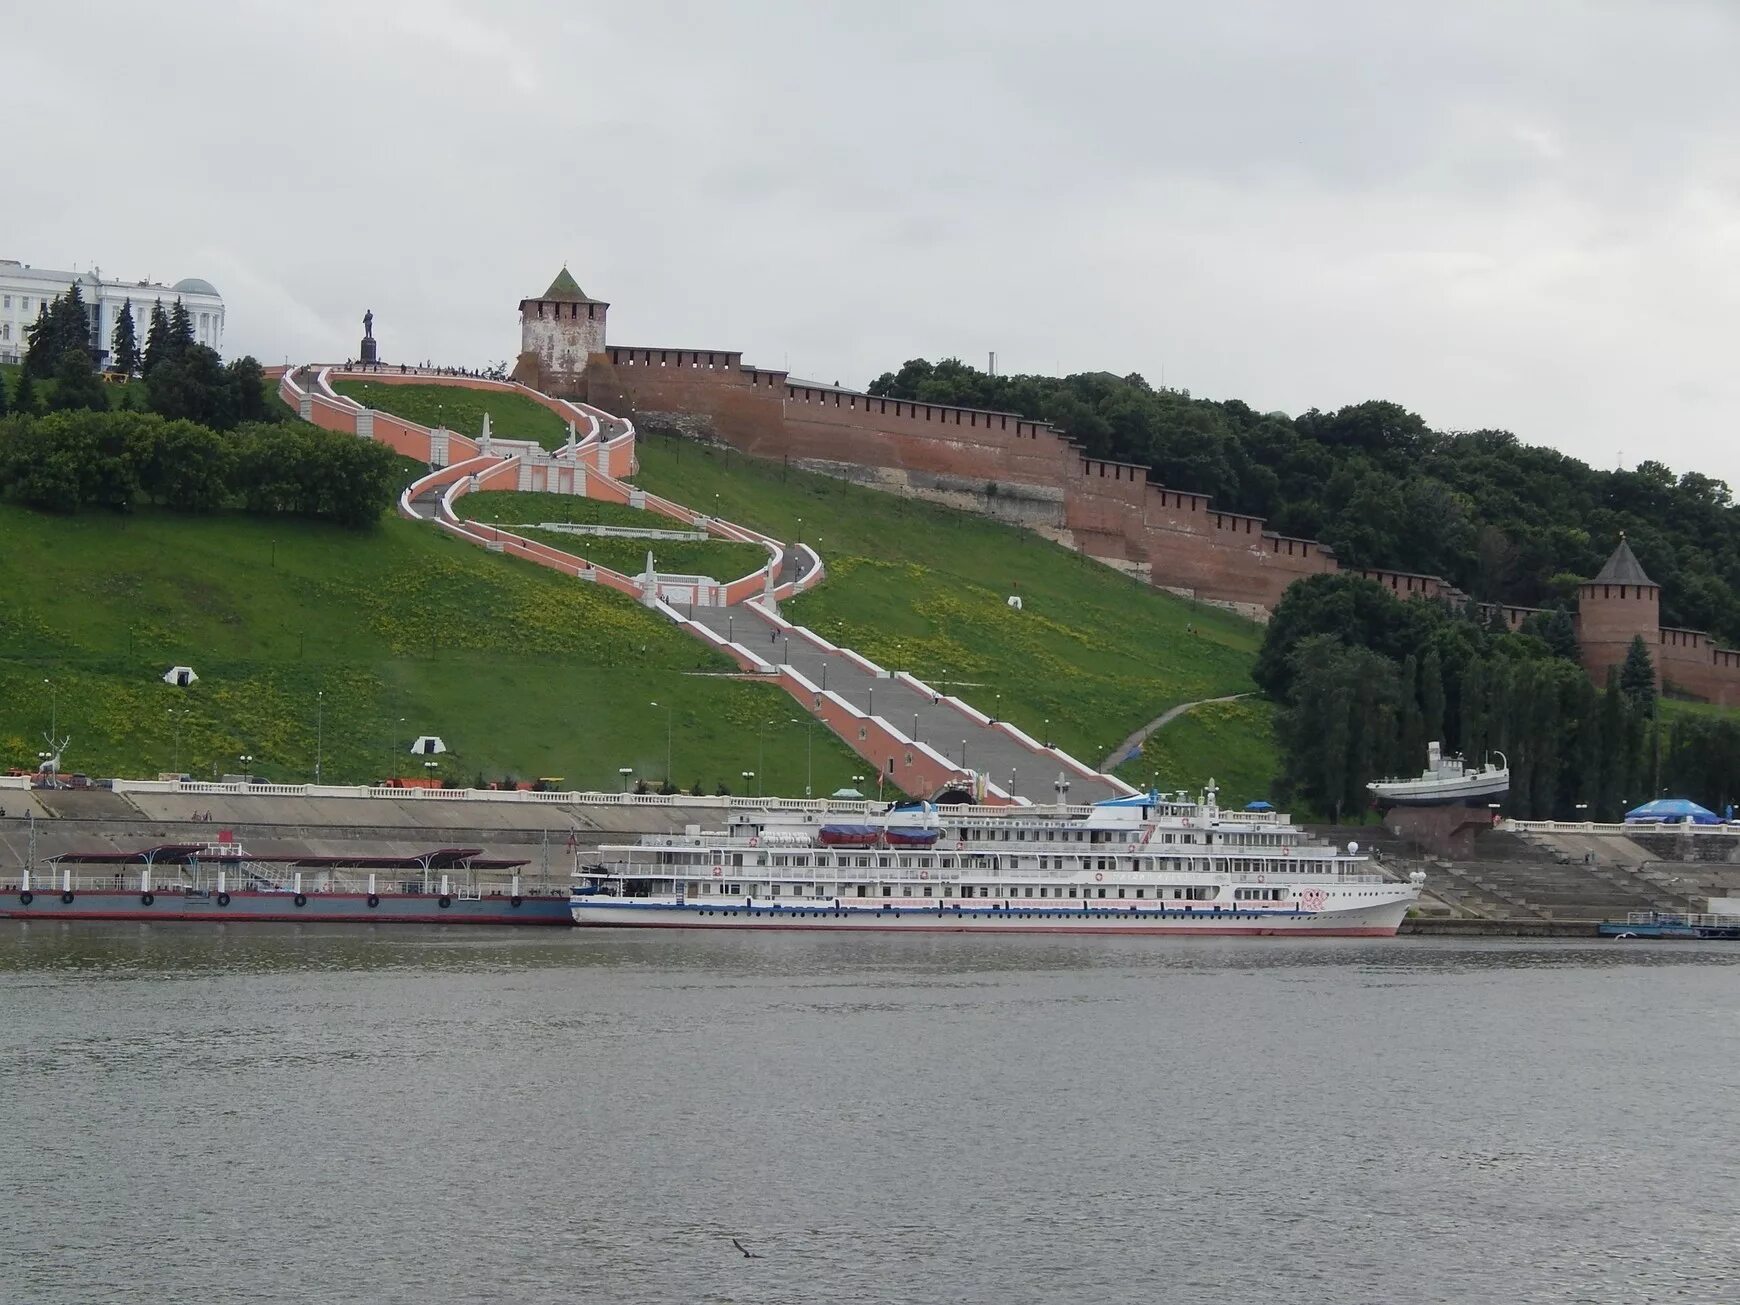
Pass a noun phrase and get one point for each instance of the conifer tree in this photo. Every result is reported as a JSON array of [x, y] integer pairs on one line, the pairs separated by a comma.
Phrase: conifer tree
[[37, 342], [124, 345], [24, 397], [2, 395], [1432, 695], [1473, 732], [1637, 676], [1411, 737], [180, 330], [76, 384], [156, 338]]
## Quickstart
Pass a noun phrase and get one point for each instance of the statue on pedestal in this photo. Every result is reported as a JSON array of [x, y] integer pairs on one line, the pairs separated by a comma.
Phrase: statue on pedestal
[[369, 352]]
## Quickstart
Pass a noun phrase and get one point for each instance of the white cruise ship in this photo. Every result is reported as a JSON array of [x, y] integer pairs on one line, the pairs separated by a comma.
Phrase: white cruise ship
[[1152, 863]]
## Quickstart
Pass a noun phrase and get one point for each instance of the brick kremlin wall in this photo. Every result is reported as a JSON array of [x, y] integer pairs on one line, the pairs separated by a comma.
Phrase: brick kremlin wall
[[1032, 474]]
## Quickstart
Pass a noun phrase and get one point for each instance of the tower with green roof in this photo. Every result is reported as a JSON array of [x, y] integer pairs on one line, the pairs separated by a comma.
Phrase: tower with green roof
[[559, 330]]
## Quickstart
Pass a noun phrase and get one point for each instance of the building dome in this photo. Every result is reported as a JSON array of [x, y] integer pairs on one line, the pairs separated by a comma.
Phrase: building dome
[[193, 285]]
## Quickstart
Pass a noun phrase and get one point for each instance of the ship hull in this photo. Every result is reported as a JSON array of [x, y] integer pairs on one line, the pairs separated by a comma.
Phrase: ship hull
[[1377, 921], [1471, 793], [281, 908]]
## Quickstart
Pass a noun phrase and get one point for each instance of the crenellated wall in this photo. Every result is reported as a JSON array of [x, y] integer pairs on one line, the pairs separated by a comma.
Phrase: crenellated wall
[[1031, 474]]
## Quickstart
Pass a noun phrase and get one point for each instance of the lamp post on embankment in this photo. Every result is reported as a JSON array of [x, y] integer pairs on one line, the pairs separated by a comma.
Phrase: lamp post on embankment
[[319, 729], [668, 770], [809, 752]]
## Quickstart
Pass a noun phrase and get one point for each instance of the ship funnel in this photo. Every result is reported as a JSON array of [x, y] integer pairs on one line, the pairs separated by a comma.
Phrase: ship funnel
[[1433, 752]]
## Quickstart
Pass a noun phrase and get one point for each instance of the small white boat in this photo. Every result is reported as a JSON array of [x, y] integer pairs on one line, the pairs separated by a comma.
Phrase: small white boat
[[1446, 781]]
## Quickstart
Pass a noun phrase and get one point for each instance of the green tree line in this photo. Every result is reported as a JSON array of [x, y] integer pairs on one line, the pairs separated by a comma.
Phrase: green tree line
[[1366, 681], [1502, 520], [182, 378], [77, 460]]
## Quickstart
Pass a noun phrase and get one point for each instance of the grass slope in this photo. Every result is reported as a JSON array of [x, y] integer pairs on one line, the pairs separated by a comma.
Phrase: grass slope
[[403, 630], [511, 416], [1229, 742], [1092, 656], [720, 559]]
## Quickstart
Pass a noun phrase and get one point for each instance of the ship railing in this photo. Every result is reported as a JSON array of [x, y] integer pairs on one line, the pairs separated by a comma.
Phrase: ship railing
[[1701, 919], [858, 874]]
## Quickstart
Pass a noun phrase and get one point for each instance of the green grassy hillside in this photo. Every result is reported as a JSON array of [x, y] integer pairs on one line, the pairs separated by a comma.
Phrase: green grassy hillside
[[721, 559], [1091, 656], [1229, 742], [403, 630], [511, 416]]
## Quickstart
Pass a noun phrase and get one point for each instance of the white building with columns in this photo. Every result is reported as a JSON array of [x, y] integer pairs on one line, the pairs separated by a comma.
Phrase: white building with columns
[[24, 289]]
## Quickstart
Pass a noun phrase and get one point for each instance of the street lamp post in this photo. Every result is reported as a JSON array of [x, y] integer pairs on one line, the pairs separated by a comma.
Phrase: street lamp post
[[247, 760], [747, 776], [625, 772], [319, 730], [669, 778], [915, 727], [809, 752]]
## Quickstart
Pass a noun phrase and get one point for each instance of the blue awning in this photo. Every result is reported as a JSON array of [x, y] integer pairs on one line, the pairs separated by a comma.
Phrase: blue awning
[[1671, 811]]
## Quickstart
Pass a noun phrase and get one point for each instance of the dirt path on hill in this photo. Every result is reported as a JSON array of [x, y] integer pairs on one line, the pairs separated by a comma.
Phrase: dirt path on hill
[[1132, 745]]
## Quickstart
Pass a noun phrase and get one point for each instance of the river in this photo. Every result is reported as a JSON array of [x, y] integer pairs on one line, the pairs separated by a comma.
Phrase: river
[[257, 1113]]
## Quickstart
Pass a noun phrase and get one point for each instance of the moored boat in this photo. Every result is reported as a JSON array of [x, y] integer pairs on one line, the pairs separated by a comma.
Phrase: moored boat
[[220, 882], [1446, 781], [1152, 863]]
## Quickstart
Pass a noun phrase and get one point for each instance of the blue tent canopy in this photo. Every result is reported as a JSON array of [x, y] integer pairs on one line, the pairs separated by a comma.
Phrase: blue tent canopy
[[1671, 811], [1258, 805]]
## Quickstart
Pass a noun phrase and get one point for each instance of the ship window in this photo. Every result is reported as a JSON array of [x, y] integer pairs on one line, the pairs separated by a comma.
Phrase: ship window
[[1102, 892], [863, 890], [948, 890], [773, 891], [1029, 892], [1138, 892], [887, 891], [737, 858], [927, 891], [1072, 892]]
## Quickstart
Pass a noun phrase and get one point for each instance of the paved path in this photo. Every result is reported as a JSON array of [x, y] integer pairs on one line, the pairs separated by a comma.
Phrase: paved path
[[1133, 745], [960, 738]]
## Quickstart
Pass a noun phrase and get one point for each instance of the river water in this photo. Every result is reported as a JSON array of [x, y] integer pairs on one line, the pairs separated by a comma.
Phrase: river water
[[344, 1114]]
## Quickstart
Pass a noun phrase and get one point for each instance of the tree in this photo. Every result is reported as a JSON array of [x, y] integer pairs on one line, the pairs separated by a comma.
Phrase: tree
[[124, 344], [247, 380], [157, 346], [180, 330], [62, 323], [76, 384], [195, 386], [2, 394], [24, 397], [1637, 676], [1432, 695], [1556, 629]]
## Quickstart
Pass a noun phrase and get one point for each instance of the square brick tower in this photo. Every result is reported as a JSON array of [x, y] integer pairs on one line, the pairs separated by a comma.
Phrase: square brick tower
[[1620, 603], [559, 330]]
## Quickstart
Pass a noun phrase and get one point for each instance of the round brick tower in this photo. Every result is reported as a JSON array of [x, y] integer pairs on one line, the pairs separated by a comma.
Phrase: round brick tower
[[1620, 603], [559, 330]]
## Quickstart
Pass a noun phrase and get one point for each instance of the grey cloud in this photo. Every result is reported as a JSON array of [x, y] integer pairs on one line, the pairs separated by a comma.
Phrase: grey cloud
[[1498, 214]]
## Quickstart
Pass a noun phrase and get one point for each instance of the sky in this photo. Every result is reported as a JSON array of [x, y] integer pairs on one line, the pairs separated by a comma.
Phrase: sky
[[1499, 214]]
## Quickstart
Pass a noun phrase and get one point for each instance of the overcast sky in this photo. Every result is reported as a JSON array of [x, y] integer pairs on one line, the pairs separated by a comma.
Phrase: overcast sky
[[1504, 213]]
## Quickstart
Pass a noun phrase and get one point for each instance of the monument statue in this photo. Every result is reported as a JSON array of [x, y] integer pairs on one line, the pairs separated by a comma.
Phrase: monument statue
[[369, 354], [368, 323]]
